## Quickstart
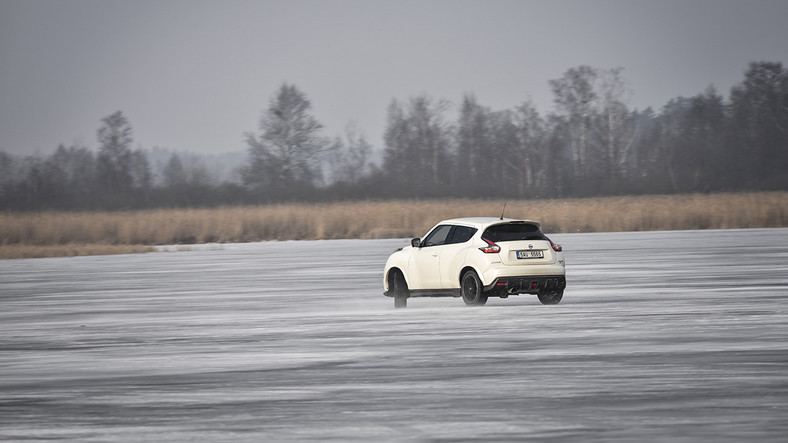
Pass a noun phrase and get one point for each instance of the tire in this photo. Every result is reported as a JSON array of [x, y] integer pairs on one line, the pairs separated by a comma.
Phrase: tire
[[551, 298], [398, 287], [471, 290], [400, 302]]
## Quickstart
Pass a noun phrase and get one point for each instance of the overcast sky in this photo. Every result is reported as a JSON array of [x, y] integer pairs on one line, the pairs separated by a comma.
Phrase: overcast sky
[[196, 75]]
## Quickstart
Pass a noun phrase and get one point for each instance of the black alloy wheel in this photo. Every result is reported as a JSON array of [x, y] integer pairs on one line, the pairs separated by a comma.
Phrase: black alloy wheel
[[471, 289], [552, 297]]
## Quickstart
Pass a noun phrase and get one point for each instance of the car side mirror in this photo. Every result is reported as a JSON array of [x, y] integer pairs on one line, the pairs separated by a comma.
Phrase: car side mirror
[[416, 242]]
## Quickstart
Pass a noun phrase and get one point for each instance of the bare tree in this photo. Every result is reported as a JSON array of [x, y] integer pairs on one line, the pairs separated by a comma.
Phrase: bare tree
[[575, 96], [417, 145], [533, 157], [139, 167], [349, 158], [759, 108], [114, 157], [615, 124], [286, 153], [472, 138], [174, 174]]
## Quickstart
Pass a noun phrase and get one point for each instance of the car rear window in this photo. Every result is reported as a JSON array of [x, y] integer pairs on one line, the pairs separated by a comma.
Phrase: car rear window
[[513, 232]]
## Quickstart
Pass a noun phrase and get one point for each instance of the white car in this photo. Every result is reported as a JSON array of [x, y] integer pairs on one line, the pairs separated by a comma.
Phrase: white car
[[477, 258]]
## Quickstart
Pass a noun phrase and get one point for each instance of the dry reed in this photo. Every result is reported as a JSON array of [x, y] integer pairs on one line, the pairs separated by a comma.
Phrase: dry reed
[[68, 250], [381, 219]]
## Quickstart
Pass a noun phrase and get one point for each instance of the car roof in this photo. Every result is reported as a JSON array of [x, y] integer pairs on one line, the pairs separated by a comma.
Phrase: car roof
[[483, 222]]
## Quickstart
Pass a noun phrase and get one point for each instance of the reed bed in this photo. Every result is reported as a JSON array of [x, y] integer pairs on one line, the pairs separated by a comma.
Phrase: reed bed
[[68, 231], [68, 250]]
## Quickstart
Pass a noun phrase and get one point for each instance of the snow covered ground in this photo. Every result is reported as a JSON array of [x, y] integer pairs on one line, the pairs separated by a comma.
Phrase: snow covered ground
[[670, 336]]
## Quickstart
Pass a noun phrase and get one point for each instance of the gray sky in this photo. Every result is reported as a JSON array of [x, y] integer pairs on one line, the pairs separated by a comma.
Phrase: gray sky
[[196, 75]]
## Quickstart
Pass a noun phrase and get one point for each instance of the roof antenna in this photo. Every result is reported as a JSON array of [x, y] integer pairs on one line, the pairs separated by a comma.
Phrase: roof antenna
[[504, 209]]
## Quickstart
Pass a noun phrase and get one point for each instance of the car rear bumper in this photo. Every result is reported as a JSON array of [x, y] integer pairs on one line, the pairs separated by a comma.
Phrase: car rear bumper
[[527, 284], [493, 273]]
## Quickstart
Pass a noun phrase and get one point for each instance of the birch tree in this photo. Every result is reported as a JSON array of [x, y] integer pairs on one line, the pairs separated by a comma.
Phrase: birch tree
[[285, 154], [574, 95], [759, 106], [533, 157], [472, 141], [349, 158], [615, 124], [417, 145], [114, 156]]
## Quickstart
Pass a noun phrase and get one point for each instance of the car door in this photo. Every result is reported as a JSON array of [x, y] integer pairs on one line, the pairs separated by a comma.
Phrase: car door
[[423, 269], [452, 256]]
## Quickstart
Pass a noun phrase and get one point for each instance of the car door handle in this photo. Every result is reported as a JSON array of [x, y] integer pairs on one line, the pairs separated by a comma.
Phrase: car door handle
[[434, 254]]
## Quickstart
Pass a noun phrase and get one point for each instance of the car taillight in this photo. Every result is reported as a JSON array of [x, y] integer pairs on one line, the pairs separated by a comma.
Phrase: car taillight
[[556, 248], [491, 247]]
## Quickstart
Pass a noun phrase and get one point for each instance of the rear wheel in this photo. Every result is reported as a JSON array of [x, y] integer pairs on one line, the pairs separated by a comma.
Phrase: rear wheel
[[471, 289], [551, 298], [398, 287]]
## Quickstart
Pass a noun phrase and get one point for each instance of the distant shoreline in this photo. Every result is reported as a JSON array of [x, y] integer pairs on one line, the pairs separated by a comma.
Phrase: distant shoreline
[[55, 234]]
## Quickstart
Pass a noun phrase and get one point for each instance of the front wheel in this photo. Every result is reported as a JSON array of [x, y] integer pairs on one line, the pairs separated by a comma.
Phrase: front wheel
[[551, 298], [471, 289], [399, 289]]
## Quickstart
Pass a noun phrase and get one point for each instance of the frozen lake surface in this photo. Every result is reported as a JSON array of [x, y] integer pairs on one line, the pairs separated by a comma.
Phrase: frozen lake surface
[[661, 336]]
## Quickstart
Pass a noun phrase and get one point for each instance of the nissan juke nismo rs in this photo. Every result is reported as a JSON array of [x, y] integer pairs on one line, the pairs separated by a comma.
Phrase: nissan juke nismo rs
[[477, 258]]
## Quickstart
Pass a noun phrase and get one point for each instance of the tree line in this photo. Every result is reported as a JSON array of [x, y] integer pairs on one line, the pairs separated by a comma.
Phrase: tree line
[[592, 144]]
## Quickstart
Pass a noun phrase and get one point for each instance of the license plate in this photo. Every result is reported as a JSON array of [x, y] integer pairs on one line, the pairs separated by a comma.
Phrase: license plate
[[530, 254]]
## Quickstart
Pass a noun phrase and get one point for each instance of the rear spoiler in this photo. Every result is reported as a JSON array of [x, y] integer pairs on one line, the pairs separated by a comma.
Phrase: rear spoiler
[[521, 222]]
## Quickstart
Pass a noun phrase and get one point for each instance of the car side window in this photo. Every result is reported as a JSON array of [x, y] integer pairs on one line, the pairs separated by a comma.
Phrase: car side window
[[462, 234], [438, 236]]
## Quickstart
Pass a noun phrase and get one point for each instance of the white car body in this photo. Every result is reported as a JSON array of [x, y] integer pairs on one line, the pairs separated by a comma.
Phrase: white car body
[[456, 260]]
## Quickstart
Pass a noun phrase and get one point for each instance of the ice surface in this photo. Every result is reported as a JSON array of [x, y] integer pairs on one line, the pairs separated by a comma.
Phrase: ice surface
[[677, 336]]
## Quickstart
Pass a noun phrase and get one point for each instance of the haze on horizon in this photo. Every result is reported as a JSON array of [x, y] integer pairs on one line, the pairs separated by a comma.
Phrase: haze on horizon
[[195, 75]]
